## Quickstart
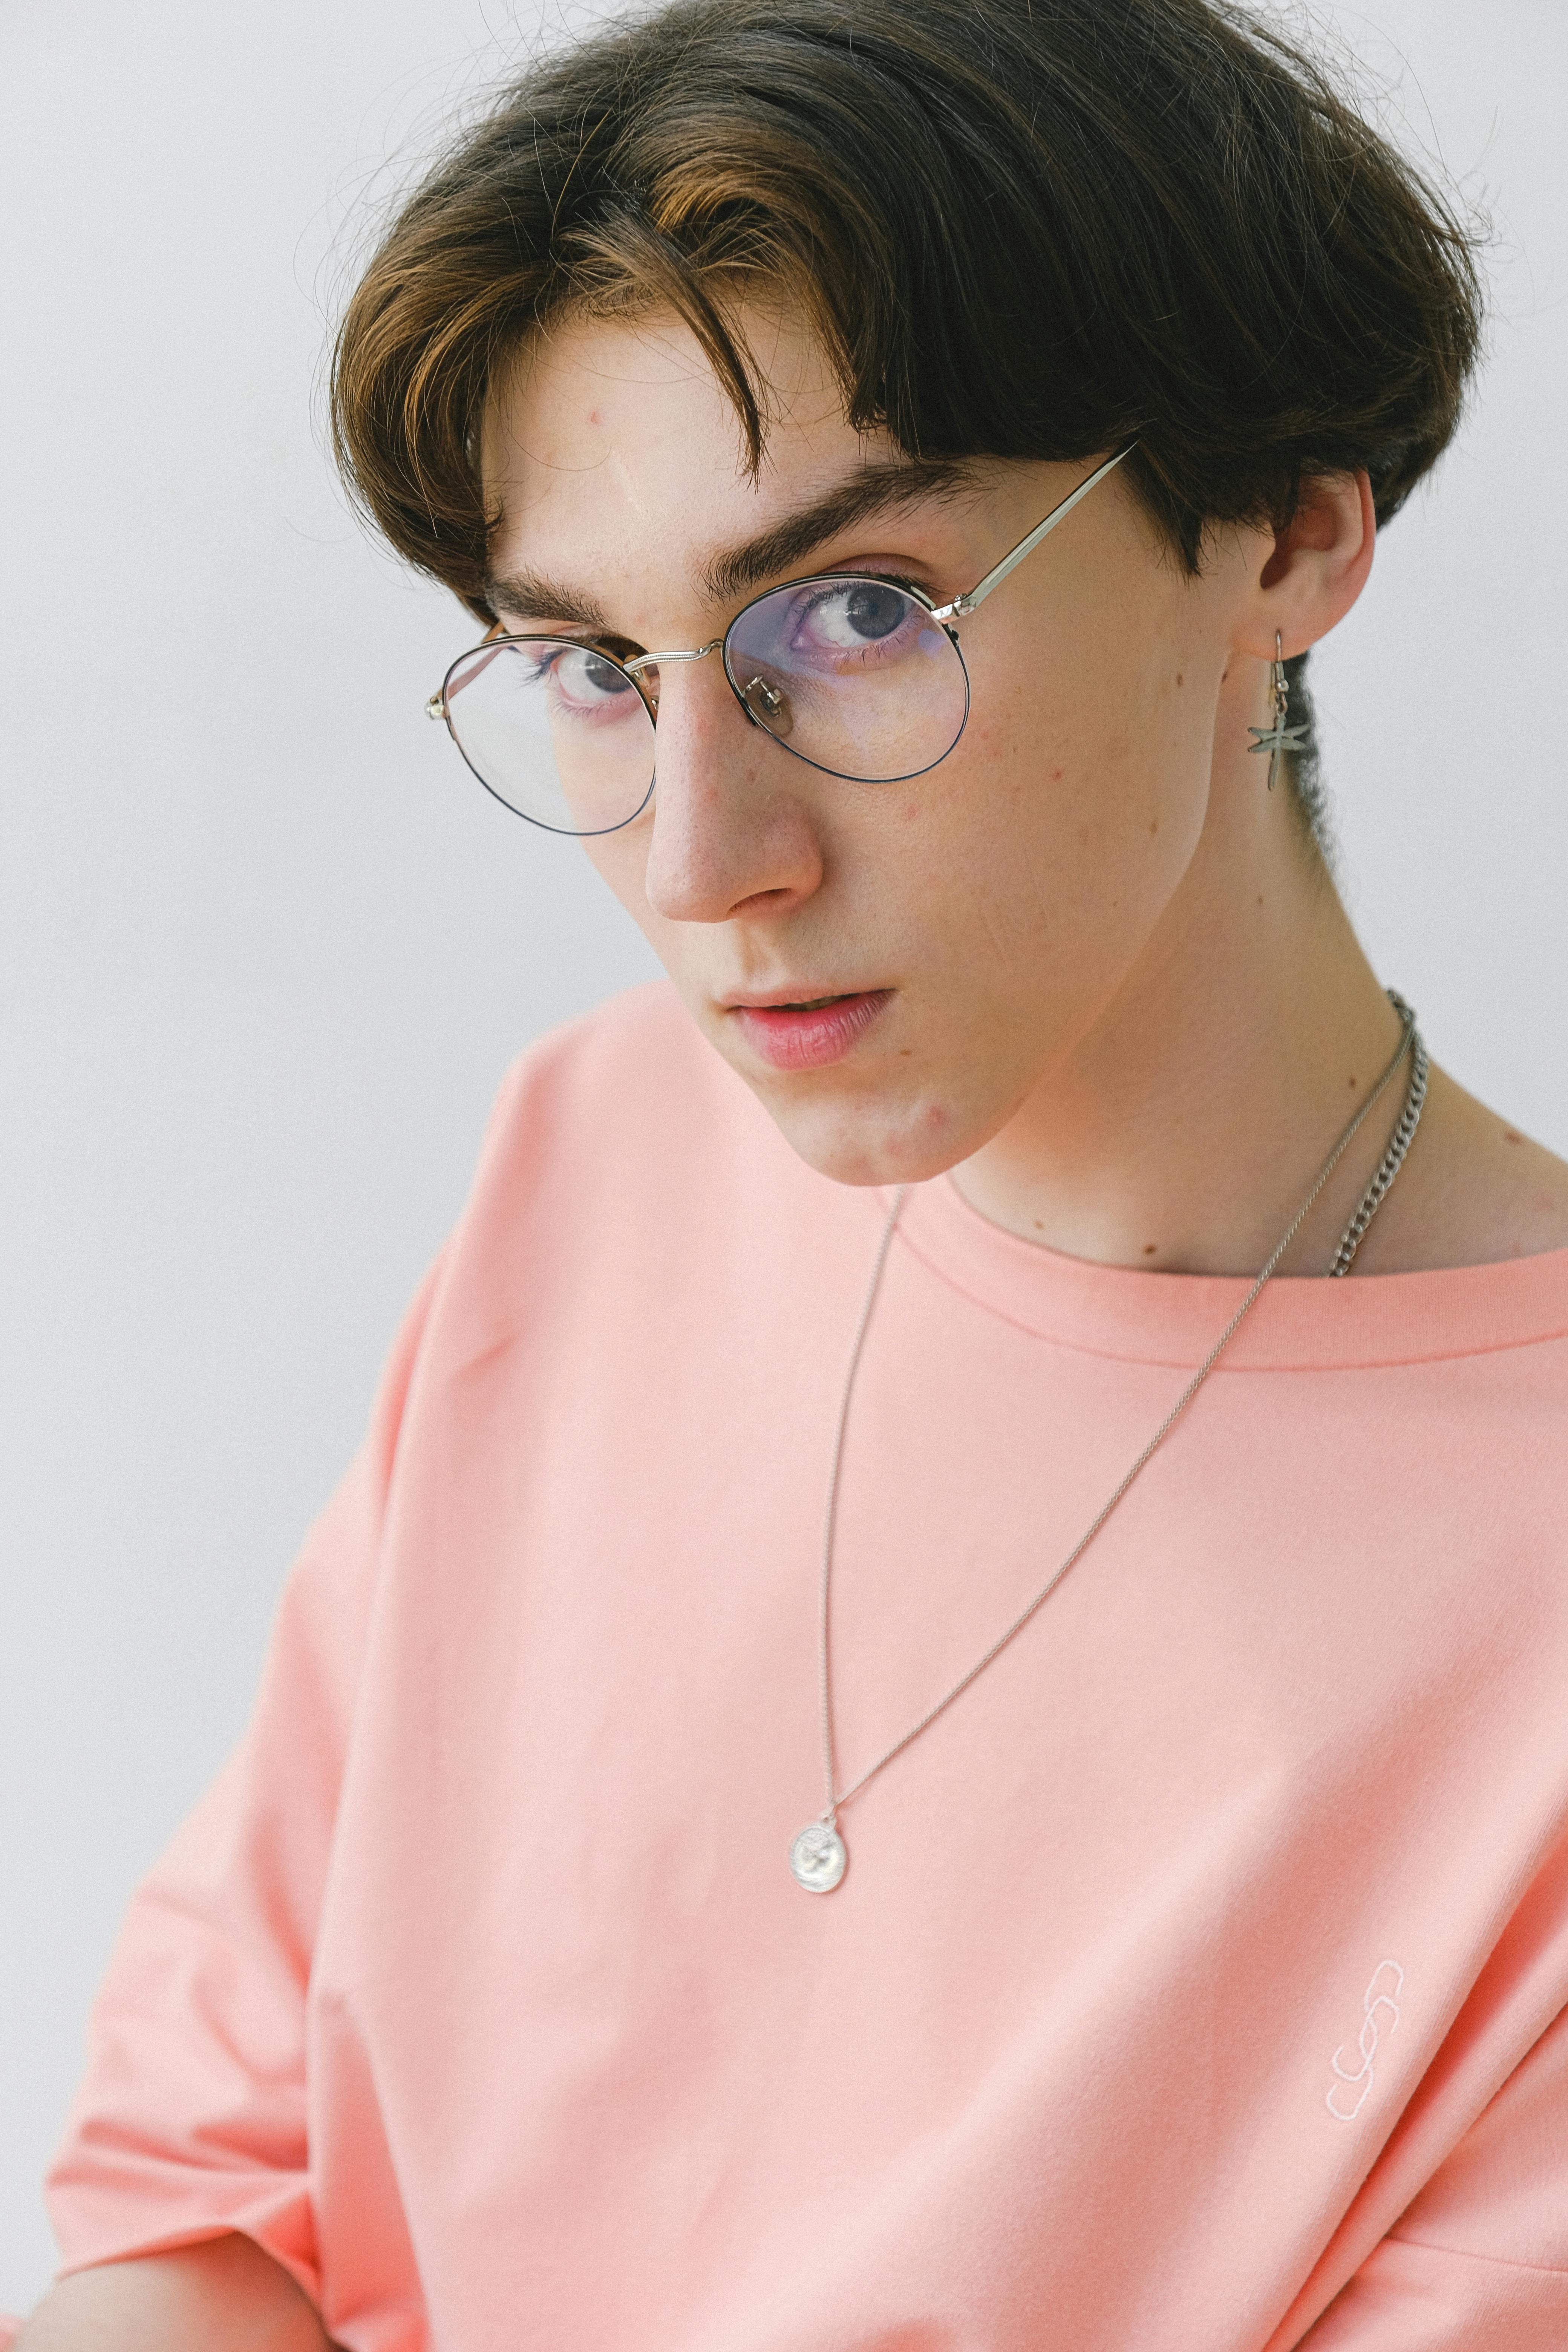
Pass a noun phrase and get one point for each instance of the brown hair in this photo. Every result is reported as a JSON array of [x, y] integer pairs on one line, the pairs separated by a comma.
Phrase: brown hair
[[1022, 228]]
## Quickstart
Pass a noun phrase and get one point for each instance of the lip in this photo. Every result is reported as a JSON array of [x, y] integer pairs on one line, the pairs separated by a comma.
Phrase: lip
[[793, 1035]]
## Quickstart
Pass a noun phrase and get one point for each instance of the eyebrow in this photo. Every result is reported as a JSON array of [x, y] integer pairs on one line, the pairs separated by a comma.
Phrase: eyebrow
[[871, 490]]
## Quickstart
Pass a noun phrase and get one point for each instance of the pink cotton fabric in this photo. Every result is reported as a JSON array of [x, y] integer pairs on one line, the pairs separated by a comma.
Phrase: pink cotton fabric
[[1198, 1981]]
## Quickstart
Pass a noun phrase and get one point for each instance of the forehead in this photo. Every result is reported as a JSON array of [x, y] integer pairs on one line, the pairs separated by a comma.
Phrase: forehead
[[607, 436]]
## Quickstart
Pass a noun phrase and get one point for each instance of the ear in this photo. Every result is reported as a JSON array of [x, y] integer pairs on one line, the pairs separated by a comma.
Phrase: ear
[[1314, 570]]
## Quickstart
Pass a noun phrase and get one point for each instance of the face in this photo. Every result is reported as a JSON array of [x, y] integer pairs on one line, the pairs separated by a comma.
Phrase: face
[[896, 968]]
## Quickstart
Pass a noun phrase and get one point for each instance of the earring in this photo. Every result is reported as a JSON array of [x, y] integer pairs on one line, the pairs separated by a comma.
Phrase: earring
[[1278, 737]]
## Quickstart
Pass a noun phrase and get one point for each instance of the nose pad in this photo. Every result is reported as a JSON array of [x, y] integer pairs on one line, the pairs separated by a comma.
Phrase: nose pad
[[769, 705]]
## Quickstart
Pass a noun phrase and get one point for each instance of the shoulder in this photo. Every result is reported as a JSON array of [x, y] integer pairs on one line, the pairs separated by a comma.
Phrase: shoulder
[[1475, 1190], [630, 1095], [638, 1059], [622, 1151]]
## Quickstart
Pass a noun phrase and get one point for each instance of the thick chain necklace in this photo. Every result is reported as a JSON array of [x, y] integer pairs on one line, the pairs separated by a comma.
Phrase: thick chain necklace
[[819, 1855]]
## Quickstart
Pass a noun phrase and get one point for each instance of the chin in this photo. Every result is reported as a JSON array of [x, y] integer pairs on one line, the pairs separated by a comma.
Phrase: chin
[[872, 1141]]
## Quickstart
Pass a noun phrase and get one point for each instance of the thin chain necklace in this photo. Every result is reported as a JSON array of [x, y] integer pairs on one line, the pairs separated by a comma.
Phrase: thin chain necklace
[[818, 1856]]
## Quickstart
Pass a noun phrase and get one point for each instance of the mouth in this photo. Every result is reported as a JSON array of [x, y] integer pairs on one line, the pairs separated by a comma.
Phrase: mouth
[[807, 1033], [797, 1004]]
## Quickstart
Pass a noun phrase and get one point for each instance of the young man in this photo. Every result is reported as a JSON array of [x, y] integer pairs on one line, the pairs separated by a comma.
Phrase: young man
[[1107, 1887]]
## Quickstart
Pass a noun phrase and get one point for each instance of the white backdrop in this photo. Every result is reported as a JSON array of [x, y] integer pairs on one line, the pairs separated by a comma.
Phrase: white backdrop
[[266, 953]]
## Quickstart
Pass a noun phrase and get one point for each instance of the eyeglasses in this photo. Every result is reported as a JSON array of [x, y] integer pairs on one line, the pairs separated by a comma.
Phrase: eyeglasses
[[859, 676]]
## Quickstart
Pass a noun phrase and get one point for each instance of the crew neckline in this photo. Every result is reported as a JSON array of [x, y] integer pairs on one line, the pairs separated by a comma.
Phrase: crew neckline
[[1302, 1322]]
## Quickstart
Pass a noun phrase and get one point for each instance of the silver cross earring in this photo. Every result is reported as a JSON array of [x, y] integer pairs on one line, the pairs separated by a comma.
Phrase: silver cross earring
[[1279, 737]]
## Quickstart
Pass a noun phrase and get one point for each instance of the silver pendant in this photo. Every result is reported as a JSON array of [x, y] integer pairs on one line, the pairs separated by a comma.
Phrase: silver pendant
[[818, 1858]]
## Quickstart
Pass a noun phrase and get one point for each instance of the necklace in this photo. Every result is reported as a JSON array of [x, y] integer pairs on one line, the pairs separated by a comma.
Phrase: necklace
[[818, 1856], [1393, 1159]]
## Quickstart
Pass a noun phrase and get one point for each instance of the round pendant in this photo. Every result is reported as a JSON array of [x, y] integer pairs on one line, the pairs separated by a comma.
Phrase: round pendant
[[818, 1858]]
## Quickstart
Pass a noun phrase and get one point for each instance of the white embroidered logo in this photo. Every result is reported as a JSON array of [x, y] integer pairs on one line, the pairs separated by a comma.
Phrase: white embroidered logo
[[1381, 2000]]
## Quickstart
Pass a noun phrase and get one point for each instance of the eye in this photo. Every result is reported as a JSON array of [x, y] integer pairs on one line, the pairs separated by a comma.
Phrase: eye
[[857, 613], [582, 678]]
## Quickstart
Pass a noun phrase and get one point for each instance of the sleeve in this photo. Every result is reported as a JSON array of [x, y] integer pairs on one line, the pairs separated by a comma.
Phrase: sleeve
[[191, 2118], [1479, 2261]]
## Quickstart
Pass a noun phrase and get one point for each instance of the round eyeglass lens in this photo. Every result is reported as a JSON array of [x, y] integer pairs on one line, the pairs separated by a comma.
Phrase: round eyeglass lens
[[554, 728], [852, 674]]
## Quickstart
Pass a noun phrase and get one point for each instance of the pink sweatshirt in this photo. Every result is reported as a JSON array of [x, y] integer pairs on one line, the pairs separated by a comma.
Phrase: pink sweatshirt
[[1197, 1982]]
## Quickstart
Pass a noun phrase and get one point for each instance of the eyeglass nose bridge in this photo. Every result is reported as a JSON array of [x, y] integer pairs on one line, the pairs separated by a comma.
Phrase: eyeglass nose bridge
[[763, 704], [639, 662]]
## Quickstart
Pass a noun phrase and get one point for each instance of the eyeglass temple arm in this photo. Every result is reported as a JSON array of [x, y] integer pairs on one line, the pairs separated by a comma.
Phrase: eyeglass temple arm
[[974, 597], [436, 706]]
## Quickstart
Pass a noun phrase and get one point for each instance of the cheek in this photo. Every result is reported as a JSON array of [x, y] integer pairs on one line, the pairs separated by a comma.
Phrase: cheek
[[1065, 832], [620, 861]]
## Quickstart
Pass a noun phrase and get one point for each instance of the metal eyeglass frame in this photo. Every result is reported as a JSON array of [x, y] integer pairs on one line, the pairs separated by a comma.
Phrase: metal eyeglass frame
[[957, 608]]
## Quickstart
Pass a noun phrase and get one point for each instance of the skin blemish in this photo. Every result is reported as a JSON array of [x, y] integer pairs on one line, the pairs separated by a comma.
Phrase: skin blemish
[[1155, 828], [1149, 1248], [1178, 677], [1351, 1082], [1508, 1136]]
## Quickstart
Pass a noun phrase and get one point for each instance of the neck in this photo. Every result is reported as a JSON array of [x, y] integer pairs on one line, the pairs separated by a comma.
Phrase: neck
[[1183, 1130]]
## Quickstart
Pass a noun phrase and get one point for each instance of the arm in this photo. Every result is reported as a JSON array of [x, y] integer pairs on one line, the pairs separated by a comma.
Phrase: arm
[[1478, 2259], [182, 2196], [222, 2295]]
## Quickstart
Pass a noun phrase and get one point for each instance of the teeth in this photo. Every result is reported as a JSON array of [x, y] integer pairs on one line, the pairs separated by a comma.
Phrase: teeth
[[813, 1005]]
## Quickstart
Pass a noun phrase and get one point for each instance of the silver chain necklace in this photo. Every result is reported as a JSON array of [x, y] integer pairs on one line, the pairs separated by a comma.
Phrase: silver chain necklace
[[818, 1856], [1393, 1159]]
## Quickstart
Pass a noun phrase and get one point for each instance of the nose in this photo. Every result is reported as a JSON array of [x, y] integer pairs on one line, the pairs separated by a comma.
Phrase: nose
[[732, 828]]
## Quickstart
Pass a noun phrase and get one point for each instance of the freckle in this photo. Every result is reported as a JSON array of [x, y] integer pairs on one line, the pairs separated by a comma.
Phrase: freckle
[[1039, 1224], [1178, 677], [904, 1053], [1351, 1082], [1509, 1137], [1057, 775], [1155, 828], [1149, 1247], [1260, 900]]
